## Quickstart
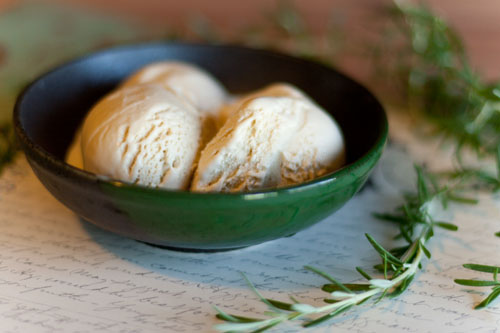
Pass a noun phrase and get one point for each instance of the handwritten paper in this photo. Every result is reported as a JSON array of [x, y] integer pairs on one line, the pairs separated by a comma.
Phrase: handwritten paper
[[59, 273]]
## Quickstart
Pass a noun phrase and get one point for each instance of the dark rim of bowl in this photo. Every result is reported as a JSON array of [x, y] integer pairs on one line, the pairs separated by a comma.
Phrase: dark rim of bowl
[[63, 168]]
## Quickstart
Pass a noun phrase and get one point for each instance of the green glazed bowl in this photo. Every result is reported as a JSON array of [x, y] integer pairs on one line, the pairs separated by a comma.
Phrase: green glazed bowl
[[50, 110]]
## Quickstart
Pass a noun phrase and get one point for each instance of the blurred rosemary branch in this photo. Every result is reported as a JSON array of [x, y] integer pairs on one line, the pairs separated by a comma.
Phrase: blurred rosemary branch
[[440, 81]]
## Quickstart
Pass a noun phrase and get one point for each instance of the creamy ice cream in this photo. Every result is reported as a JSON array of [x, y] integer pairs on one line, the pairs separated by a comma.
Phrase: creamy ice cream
[[274, 137], [142, 134], [151, 131], [246, 152], [192, 83], [189, 82], [272, 90], [316, 149]]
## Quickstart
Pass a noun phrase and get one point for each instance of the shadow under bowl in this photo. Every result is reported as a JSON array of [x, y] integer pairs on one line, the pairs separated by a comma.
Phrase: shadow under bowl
[[50, 110]]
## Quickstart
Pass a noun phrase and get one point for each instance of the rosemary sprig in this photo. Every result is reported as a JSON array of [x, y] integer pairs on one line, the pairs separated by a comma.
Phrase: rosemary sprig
[[440, 82], [398, 267], [495, 283]]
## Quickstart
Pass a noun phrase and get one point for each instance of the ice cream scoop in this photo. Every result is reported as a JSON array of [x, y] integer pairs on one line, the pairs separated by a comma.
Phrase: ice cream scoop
[[194, 84], [289, 140], [246, 153], [189, 82], [142, 134], [317, 149], [273, 90]]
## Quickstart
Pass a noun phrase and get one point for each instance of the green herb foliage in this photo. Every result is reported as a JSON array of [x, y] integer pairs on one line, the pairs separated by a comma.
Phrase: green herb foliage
[[440, 82], [396, 271], [495, 283]]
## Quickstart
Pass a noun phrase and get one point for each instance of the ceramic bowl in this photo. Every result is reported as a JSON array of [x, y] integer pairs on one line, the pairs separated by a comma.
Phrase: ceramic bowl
[[49, 111]]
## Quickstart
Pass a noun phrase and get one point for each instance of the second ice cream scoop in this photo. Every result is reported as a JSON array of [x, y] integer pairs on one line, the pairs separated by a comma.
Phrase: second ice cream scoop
[[273, 90], [310, 143], [247, 151]]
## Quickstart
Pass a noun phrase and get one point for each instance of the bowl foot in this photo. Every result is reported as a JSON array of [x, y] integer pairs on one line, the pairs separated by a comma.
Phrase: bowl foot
[[191, 250]]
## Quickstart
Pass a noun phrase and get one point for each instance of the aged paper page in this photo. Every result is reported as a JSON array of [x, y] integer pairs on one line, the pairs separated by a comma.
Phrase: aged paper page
[[59, 273]]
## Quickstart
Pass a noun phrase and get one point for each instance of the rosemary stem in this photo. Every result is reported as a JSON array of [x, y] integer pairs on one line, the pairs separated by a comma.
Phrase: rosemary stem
[[480, 119], [421, 239], [413, 266], [356, 298]]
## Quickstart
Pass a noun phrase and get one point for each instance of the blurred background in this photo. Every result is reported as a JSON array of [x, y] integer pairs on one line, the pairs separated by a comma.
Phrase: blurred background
[[36, 35]]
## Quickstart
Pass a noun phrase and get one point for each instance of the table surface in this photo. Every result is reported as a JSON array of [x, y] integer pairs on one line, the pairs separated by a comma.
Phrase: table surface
[[60, 273]]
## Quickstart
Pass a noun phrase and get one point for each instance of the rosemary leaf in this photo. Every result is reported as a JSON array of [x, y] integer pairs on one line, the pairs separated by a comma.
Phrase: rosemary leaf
[[463, 200], [404, 232], [446, 225], [352, 287], [423, 192], [328, 316], [498, 158], [494, 294], [429, 234], [391, 218], [476, 283], [426, 251], [330, 301], [383, 252], [482, 268], [363, 273], [280, 305], [232, 318], [252, 287], [328, 277]]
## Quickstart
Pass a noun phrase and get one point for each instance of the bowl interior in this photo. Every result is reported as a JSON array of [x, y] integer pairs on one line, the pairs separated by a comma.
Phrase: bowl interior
[[57, 103]]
